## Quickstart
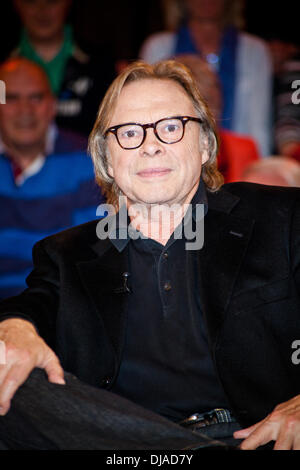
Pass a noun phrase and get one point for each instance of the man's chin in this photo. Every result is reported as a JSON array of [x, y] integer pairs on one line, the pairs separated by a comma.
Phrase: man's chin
[[155, 200], [27, 143]]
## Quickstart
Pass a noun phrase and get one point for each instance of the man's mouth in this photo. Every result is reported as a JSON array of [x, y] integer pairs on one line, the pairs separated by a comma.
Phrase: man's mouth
[[153, 172], [24, 125]]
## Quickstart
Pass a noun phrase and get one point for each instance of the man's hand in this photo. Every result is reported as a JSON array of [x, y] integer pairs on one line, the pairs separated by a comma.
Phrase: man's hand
[[282, 426], [24, 350]]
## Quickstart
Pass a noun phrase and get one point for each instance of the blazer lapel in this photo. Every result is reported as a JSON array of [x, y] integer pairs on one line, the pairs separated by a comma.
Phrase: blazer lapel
[[103, 281], [226, 239]]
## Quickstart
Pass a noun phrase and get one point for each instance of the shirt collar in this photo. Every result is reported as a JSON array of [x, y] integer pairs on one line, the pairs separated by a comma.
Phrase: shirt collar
[[119, 235], [20, 176]]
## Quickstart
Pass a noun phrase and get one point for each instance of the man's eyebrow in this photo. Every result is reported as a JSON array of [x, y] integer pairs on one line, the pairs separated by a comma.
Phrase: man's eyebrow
[[12, 94], [16, 94], [37, 93]]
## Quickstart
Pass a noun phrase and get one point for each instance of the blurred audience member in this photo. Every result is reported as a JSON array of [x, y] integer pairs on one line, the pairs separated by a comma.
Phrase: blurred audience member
[[41, 191], [235, 154], [210, 28], [281, 51], [236, 151], [274, 171], [287, 120], [78, 80]]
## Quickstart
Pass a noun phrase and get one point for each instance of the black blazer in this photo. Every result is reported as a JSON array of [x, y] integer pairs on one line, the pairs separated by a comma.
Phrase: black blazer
[[249, 285]]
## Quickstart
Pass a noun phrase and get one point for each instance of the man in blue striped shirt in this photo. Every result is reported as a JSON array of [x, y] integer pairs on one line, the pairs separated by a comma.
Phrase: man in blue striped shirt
[[46, 179]]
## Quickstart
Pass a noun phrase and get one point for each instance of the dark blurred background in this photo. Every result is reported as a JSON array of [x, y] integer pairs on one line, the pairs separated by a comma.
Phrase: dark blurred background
[[122, 25]]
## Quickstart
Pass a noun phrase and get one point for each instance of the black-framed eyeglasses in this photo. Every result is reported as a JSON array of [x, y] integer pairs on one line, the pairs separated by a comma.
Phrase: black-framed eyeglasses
[[168, 130]]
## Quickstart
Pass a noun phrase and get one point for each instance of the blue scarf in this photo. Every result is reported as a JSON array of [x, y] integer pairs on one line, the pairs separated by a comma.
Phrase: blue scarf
[[226, 70]]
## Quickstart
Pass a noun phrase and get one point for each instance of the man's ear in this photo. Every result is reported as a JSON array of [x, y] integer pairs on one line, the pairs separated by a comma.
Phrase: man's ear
[[110, 170], [204, 156], [53, 108], [204, 150]]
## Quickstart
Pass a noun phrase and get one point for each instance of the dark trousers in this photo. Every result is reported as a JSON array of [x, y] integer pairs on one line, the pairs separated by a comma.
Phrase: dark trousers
[[77, 416]]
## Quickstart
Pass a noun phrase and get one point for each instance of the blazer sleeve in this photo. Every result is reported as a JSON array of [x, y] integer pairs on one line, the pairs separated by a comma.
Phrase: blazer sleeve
[[39, 302]]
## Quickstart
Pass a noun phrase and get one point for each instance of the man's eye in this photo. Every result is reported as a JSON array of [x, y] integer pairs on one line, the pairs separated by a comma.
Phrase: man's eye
[[171, 128], [37, 98], [10, 98], [130, 133]]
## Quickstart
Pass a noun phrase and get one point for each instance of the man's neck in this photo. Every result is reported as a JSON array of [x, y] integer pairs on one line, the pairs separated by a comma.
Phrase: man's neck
[[23, 157], [158, 221], [207, 35], [48, 49]]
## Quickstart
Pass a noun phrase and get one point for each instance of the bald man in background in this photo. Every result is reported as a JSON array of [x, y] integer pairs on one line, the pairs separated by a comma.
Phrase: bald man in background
[[46, 179]]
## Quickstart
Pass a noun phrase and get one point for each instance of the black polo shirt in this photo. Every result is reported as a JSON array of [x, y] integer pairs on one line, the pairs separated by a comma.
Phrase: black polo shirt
[[166, 365]]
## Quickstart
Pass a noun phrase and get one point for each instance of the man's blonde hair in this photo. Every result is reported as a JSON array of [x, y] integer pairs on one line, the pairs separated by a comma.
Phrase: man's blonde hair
[[137, 71]]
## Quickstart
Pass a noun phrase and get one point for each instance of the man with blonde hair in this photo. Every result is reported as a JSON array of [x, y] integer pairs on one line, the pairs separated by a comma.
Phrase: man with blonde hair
[[187, 339]]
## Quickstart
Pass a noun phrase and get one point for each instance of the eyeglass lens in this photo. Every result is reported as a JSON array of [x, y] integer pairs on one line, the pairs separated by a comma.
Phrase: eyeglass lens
[[168, 130]]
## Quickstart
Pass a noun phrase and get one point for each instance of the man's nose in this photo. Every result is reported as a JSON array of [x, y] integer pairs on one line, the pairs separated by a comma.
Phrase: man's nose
[[25, 106], [151, 146], [41, 4]]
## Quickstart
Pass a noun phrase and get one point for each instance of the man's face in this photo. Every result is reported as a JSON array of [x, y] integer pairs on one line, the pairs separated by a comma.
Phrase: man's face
[[206, 10], [156, 173], [207, 81], [43, 19], [29, 108]]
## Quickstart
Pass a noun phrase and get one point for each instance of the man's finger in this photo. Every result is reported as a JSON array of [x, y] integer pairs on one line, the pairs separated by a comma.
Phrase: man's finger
[[3, 373], [4, 408], [2, 353], [285, 440], [262, 435], [4, 405], [244, 433], [296, 442], [15, 377], [54, 371]]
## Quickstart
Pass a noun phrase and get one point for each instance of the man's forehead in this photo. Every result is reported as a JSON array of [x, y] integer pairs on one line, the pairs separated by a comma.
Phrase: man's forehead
[[154, 96], [159, 87], [24, 77], [24, 83]]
